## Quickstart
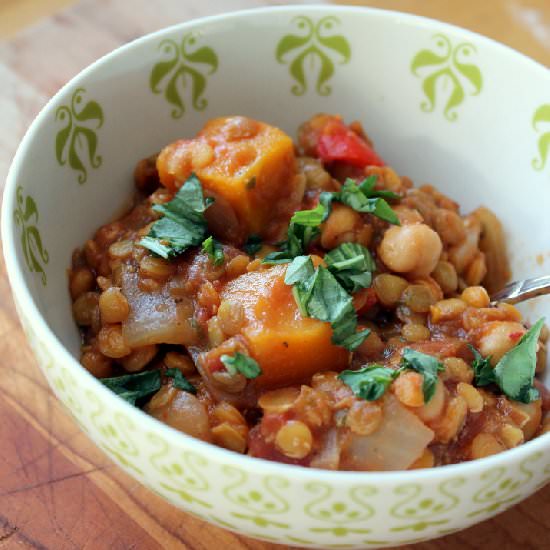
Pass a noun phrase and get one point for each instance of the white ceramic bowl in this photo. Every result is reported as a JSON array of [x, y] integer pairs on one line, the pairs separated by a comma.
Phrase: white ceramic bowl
[[443, 105]]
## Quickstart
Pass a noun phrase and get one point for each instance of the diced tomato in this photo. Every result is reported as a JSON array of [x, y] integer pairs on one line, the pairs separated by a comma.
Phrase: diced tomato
[[337, 142]]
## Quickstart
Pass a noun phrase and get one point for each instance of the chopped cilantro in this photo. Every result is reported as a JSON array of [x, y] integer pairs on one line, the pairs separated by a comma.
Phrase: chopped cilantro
[[134, 387], [484, 374], [180, 382], [318, 294], [427, 365], [252, 245], [303, 228], [214, 249], [515, 371], [369, 382], [363, 198], [241, 363], [183, 224], [352, 265]]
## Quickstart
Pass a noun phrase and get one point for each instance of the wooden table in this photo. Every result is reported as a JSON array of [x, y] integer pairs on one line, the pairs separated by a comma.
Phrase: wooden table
[[57, 491]]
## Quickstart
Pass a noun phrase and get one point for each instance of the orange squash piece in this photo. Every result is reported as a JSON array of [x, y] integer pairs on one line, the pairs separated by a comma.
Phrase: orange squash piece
[[288, 347], [247, 166]]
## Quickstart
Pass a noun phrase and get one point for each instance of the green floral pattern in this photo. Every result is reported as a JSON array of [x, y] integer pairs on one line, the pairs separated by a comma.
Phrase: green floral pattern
[[184, 67], [541, 124], [26, 217], [340, 516], [422, 510], [257, 504], [313, 49], [76, 143], [185, 476], [500, 489], [446, 75]]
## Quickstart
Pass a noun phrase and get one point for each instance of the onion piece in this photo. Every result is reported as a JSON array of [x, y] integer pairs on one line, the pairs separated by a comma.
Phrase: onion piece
[[154, 317], [328, 458], [400, 440]]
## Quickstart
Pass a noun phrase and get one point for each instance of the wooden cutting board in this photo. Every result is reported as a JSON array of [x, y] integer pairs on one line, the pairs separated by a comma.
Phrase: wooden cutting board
[[57, 491]]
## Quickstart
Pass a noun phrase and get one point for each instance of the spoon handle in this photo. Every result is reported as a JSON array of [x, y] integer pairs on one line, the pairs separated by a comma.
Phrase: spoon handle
[[519, 291]]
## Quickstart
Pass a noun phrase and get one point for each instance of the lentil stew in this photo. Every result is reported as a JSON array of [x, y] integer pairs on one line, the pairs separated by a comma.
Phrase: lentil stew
[[304, 303]]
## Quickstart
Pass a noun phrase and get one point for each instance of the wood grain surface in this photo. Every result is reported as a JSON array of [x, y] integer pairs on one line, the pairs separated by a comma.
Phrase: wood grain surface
[[57, 490]]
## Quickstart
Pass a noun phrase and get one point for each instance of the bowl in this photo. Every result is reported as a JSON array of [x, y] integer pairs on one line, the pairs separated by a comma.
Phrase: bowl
[[443, 105]]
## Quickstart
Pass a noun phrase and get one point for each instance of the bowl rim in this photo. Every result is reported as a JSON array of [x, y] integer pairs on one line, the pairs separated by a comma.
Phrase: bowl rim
[[215, 454]]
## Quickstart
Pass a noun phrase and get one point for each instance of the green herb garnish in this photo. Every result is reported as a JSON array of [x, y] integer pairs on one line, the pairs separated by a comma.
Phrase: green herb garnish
[[515, 371], [180, 382], [362, 197], [484, 374], [427, 365], [241, 363], [214, 249], [352, 265], [303, 228], [183, 224], [318, 294], [369, 382], [253, 244], [134, 387]]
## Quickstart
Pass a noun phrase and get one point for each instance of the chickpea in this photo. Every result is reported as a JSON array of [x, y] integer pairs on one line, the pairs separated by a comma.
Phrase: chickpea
[[340, 226], [413, 249], [498, 338], [181, 410]]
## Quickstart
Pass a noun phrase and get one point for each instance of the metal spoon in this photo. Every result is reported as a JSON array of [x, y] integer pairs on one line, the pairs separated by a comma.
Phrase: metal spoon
[[520, 291]]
